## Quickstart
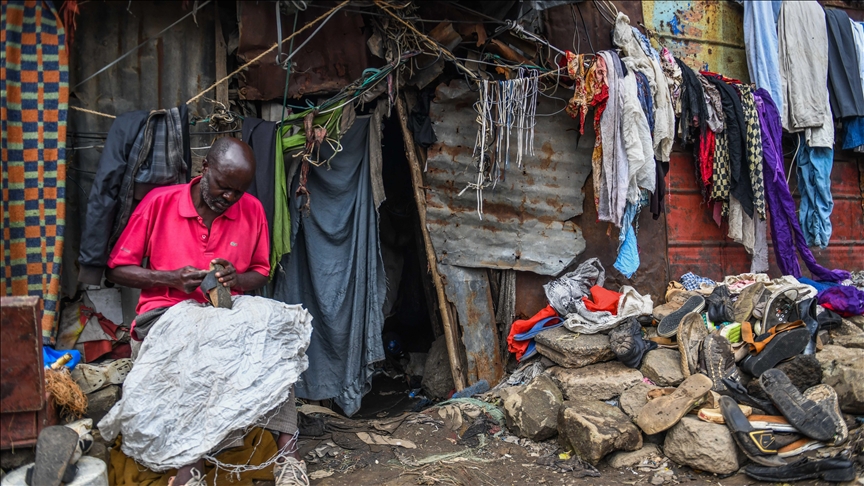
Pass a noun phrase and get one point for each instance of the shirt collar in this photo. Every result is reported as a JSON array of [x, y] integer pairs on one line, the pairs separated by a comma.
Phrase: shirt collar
[[187, 208]]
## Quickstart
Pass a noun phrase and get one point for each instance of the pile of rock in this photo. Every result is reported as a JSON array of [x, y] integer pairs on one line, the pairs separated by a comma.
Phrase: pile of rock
[[590, 400]]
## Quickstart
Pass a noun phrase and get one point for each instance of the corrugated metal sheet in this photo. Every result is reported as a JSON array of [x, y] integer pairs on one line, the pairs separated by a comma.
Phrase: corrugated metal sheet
[[701, 33], [562, 22], [336, 55], [468, 290], [697, 245], [525, 219], [163, 73]]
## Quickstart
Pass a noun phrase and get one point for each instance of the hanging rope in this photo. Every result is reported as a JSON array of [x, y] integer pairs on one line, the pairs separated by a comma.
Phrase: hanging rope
[[85, 110]]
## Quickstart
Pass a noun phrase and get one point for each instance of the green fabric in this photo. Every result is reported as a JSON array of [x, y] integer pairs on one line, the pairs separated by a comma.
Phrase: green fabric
[[285, 142]]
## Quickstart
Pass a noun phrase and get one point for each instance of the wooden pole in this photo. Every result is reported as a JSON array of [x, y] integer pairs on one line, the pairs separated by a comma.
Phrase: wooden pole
[[450, 332]]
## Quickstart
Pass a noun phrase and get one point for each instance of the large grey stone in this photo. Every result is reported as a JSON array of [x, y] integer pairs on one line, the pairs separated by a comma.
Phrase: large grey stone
[[101, 401], [843, 369], [848, 335], [532, 411], [573, 350], [634, 398], [663, 367], [857, 321], [648, 452], [702, 445], [593, 429], [601, 381], [437, 377], [803, 371]]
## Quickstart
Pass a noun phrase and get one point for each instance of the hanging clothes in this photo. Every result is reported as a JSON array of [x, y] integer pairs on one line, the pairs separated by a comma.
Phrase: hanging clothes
[[615, 173], [597, 76], [637, 140], [577, 107], [753, 148], [814, 166], [713, 105], [803, 55], [673, 79], [844, 73], [261, 136], [33, 140], [785, 232], [733, 112], [693, 110], [631, 47], [760, 44], [335, 270]]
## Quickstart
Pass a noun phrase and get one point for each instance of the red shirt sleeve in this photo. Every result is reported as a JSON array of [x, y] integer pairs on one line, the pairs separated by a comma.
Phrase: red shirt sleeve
[[260, 261], [132, 247]]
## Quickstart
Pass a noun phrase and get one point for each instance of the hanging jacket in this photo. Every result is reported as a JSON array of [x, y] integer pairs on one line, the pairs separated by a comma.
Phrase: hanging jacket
[[844, 75], [143, 150]]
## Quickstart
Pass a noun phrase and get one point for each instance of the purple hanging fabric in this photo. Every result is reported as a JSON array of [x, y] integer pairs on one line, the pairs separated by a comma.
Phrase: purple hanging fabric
[[785, 230]]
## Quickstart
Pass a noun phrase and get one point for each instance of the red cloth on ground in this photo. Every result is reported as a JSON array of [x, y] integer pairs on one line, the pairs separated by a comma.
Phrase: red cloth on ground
[[524, 325], [602, 300]]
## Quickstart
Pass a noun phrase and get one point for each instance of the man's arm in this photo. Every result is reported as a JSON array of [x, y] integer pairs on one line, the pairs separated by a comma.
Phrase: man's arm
[[186, 279], [247, 281]]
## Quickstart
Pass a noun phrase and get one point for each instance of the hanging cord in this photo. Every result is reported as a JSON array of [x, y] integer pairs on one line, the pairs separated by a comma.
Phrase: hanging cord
[[257, 58], [166, 29], [434, 45], [794, 158], [607, 10], [287, 64]]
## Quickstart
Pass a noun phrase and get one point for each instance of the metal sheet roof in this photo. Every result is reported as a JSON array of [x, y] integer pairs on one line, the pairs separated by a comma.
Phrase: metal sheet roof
[[525, 218]]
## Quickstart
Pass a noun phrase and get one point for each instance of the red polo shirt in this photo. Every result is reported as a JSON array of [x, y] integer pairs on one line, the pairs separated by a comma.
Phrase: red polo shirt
[[166, 228]]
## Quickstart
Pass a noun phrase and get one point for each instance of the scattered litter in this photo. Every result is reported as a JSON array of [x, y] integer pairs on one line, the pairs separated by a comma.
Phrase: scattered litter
[[321, 474], [375, 439]]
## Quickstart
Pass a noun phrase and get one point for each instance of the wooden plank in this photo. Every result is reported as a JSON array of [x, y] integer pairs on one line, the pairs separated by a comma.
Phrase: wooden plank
[[451, 334]]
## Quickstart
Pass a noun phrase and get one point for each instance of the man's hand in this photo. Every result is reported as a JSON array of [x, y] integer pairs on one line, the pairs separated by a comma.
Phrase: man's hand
[[228, 276], [188, 278]]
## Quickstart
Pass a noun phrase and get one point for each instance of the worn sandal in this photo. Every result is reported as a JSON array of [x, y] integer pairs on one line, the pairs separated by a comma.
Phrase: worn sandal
[[216, 293]]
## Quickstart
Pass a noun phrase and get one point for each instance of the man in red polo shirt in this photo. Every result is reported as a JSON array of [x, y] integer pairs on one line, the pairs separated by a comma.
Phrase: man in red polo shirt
[[180, 230]]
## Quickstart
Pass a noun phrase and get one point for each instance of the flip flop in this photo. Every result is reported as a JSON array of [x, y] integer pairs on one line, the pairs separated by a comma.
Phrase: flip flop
[[665, 411], [669, 325], [55, 447]]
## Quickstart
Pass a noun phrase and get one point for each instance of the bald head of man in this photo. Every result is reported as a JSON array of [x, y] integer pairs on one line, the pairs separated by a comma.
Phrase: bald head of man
[[228, 171]]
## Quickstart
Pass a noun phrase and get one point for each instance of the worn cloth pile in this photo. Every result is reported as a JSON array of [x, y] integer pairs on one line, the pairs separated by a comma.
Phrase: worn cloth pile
[[204, 373], [764, 367]]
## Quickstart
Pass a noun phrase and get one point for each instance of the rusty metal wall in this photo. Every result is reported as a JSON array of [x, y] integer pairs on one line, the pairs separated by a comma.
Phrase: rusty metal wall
[[697, 245], [163, 73], [525, 217], [702, 34], [336, 55]]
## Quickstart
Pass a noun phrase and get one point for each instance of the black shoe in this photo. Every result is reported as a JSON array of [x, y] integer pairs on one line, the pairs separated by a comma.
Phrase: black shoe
[[807, 313], [830, 469], [783, 345], [669, 325], [810, 418], [759, 445], [720, 307], [829, 320], [627, 343], [717, 360], [738, 392]]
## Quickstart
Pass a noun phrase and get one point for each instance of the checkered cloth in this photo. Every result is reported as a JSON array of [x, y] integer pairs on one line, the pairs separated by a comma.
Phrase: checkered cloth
[[34, 95], [753, 148], [692, 282]]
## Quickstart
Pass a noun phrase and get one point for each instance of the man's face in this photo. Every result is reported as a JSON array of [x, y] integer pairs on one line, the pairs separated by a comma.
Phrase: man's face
[[220, 191]]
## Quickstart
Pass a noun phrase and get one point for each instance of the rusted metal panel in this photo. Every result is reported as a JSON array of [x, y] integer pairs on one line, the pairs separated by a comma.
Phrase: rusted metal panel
[[21, 429], [336, 55], [22, 385], [165, 72], [563, 21], [525, 223], [698, 245], [701, 33], [468, 290]]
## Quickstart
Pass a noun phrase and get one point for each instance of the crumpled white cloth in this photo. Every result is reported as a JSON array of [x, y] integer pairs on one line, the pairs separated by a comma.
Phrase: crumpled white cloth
[[203, 373], [631, 304], [788, 282], [565, 293]]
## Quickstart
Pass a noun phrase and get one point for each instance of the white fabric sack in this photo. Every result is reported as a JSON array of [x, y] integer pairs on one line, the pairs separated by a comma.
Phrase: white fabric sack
[[631, 304], [203, 373]]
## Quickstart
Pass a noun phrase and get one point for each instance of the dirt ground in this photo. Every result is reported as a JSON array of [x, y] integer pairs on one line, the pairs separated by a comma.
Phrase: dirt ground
[[491, 457]]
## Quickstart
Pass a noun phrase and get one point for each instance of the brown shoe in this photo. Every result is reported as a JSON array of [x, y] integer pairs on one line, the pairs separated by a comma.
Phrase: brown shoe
[[675, 298], [662, 413], [690, 334], [747, 299]]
